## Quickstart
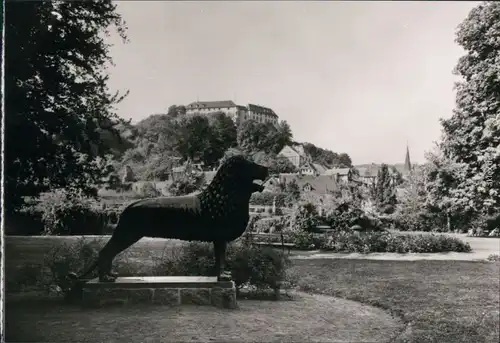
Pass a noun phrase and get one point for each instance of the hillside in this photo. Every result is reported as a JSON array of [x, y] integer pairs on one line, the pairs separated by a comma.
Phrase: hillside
[[159, 142]]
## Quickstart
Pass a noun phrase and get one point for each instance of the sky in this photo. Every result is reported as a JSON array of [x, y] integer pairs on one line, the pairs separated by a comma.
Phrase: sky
[[364, 78]]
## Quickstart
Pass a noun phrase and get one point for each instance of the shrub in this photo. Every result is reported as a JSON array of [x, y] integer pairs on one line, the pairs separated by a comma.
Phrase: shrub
[[267, 198], [24, 278], [148, 190], [25, 222], [388, 242], [486, 222], [494, 258], [408, 219], [76, 257], [305, 217], [64, 213], [195, 258], [344, 216], [348, 214], [263, 268], [187, 184], [267, 225], [304, 240]]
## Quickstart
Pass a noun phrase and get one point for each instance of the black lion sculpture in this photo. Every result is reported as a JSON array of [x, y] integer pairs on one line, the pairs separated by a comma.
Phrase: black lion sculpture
[[219, 214]]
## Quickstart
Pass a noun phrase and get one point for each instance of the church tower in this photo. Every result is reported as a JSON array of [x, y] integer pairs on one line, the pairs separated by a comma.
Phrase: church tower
[[407, 167]]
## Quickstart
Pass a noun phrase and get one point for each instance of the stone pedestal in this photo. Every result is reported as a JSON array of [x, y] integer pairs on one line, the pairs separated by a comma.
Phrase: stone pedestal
[[163, 290]]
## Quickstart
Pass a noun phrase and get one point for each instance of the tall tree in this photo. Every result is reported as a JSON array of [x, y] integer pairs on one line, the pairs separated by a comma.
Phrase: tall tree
[[254, 136], [284, 135], [251, 136], [383, 191], [56, 95], [224, 133], [445, 181], [345, 160], [175, 111], [471, 137], [194, 138]]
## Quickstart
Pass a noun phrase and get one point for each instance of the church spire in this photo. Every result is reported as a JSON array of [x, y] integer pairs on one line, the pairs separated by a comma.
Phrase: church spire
[[407, 166]]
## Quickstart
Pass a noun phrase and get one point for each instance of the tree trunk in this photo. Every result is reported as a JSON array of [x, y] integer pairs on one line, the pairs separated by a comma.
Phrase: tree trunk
[[448, 222]]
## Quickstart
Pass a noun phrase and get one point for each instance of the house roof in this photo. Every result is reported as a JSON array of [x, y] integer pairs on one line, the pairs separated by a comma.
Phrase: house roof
[[211, 104], [314, 166], [319, 168], [372, 170], [337, 171], [271, 184], [261, 109], [321, 184], [299, 148]]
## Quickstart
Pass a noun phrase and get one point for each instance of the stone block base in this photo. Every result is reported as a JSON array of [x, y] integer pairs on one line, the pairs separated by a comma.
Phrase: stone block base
[[163, 290]]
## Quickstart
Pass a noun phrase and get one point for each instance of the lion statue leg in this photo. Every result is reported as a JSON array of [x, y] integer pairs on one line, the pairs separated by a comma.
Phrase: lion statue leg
[[119, 241], [220, 261]]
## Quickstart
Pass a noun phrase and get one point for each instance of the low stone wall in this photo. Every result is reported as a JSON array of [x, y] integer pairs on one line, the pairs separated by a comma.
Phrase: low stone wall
[[171, 291]]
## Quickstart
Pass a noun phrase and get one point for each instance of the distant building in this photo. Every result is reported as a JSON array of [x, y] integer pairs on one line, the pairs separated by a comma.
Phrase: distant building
[[309, 168], [407, 169], [295, 154], [340, 174], [236, 112], [322, 184], [260, 114]]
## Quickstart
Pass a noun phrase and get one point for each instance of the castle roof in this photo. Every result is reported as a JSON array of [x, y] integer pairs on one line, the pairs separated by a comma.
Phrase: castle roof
[[211, 104], [261, 109]]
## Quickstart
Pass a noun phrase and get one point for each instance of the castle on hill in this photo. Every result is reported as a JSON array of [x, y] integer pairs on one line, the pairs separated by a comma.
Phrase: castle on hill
[[236, 112]]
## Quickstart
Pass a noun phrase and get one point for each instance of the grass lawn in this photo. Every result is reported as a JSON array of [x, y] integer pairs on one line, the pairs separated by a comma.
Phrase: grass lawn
[[305, 319], [442, 301]]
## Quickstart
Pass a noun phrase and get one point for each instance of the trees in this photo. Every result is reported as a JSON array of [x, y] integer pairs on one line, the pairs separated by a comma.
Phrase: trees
[[187, 184], [223, 133], [276, 164], [194, 137], [383, 191], [283, 165], [174, 111], [447, 190], [414, 212], [344, 160], [56, 95], [327, 157], [469, 163], [284, 135], [253, 136], [204, 139]]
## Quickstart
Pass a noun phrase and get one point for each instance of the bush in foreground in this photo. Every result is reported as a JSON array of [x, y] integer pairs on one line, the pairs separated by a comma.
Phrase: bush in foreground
[[65, 213], [261, 268]]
